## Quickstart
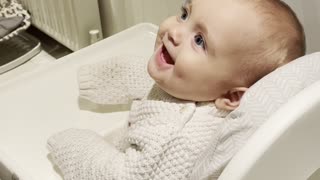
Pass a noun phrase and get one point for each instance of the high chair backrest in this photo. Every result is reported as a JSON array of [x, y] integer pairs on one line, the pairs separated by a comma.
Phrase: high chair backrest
[[286, 147], [259, 105]]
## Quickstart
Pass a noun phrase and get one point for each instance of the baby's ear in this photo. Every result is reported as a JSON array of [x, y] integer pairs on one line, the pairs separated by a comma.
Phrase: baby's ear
[[231, 99]]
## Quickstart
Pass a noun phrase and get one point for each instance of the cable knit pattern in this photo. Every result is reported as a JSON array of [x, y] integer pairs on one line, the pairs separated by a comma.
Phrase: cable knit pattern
[[164, 139]]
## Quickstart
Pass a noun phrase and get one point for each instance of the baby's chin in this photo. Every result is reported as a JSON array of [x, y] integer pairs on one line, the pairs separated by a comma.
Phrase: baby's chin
[[185, 95], [174, 93], [170, 92]]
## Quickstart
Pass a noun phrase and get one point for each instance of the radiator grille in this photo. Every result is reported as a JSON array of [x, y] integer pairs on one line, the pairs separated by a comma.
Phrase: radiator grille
[[67, 21]]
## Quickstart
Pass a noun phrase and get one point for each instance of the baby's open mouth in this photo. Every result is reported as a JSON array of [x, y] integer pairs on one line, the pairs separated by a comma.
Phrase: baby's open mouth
[[166, 56]]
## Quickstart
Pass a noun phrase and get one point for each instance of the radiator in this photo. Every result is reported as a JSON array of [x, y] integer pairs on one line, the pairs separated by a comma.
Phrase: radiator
[[67, 21]]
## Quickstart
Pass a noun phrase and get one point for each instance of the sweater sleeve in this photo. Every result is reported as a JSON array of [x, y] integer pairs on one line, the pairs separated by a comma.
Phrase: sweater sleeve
[[155, 149], [85, 155], [117, 80]]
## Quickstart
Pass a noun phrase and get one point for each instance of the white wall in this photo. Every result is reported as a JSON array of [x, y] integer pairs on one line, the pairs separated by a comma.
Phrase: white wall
[[308, 12], [117, 15], [121, 14]]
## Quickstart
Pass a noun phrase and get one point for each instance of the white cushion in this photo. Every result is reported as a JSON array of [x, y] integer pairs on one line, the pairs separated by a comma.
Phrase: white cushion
[[268, 94]]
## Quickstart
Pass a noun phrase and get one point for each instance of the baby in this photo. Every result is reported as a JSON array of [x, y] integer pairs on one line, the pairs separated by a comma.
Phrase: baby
[[204, 61]]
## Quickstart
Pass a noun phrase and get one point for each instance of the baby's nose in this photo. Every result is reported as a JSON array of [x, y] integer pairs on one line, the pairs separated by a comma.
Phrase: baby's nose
[[175, 35]]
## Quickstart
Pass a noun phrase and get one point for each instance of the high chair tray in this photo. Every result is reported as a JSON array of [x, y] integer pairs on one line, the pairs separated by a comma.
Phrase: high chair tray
[[46, 101]]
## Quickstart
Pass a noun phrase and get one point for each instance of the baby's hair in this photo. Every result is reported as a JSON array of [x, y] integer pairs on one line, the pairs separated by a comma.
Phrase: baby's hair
[[281, 41]]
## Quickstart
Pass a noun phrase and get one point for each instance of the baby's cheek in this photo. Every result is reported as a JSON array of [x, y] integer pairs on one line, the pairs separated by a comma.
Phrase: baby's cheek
[[181, 73], [157, 43]]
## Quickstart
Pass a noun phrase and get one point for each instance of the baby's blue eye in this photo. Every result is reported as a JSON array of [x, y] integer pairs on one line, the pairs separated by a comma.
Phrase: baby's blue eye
[[184, 14], [198, 39]]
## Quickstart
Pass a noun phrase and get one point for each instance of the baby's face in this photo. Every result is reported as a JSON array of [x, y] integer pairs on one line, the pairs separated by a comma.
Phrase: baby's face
[[197, 52]]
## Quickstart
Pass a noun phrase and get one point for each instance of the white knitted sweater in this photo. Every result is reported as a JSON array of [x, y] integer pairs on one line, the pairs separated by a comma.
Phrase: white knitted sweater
[[165, 139]]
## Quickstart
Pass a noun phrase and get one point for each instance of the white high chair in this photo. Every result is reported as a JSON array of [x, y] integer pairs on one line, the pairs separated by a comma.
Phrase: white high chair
[[286, 147], [46, 101]]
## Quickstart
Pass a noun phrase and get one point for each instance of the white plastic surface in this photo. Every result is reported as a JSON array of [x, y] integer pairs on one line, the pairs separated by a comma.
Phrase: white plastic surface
[[286, 147], [134, 12], [39, 104]]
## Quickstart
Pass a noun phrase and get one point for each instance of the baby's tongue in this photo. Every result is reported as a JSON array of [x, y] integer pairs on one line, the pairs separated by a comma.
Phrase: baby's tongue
[[167, 56]]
